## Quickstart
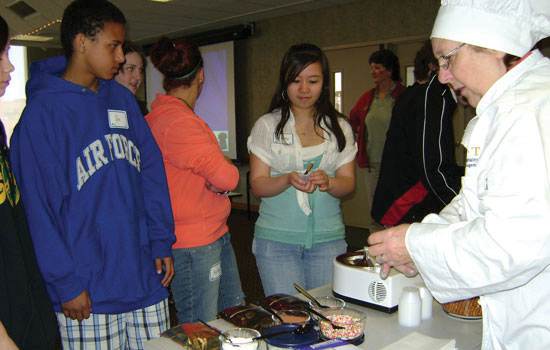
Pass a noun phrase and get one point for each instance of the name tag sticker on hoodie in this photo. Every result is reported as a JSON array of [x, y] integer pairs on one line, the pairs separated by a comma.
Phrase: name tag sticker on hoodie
[[118, 119]]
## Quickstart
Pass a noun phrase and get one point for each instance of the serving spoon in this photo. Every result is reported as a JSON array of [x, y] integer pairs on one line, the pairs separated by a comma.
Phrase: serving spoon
[[271, 311], [367, 261], [309, 296], [324, 318]]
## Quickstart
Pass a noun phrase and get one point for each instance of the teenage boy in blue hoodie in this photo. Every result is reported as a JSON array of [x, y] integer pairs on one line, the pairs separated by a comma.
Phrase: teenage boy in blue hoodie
[[95, 190]]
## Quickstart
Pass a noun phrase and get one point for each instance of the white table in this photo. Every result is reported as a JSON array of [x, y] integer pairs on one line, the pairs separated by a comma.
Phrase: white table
[[381, 328]]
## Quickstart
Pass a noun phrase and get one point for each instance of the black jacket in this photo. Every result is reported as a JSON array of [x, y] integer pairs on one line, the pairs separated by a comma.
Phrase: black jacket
[[25, 308], [418, 174]]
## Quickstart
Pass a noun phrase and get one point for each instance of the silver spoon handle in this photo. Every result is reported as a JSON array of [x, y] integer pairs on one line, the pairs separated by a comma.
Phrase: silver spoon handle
[[324, 318], [271, 311], [307, 295]]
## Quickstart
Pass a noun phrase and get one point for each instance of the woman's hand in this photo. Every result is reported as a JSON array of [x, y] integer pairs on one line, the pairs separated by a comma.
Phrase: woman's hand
[[261, 182], [389, 248], [391, 251], [389, 245], [300, 184], [212, 187], [321, 179], [338, 186]]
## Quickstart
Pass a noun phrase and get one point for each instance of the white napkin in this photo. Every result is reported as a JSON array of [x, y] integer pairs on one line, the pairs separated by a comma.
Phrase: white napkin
[[303, 202], [419, 341]]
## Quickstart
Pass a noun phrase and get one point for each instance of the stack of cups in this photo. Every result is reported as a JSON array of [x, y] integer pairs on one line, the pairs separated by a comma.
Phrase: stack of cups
[[415, 305], [410, 307], [427, 301]]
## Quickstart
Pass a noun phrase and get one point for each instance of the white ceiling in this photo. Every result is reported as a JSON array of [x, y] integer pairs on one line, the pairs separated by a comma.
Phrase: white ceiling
[[147, 20]]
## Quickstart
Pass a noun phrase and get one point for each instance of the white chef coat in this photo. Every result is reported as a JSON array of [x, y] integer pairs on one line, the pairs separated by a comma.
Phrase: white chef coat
[[493, 239]]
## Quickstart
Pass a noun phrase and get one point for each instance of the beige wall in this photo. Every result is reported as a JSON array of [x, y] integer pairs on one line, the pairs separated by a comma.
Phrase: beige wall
[[38, 53], [259, 57]]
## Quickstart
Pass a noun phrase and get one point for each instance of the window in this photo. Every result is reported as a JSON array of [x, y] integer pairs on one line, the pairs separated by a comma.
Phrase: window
[[338, 91], [14, 100]]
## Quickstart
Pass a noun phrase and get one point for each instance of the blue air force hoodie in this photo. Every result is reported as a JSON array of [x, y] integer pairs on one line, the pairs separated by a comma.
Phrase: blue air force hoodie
[[95, 193]]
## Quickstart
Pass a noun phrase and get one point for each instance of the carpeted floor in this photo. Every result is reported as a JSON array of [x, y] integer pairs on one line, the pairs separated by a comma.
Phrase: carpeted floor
[[242, 233]]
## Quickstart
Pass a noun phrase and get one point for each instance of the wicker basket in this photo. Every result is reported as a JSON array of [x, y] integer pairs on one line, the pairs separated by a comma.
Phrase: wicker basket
[[468, 308]]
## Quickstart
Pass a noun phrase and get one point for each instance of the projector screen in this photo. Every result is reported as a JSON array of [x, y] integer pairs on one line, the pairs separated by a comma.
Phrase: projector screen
[[216, 103]]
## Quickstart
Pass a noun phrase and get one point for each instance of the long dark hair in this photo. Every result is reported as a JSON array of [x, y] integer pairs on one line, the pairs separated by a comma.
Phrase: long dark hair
[[296, 59]]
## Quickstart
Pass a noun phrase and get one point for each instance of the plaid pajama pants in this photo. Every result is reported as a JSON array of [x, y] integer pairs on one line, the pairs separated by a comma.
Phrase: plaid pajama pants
[[126, 331]]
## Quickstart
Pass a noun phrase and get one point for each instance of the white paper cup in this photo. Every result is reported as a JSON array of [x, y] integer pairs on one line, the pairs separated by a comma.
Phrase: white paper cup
[[410, 307], [427, 300], [304, 176]]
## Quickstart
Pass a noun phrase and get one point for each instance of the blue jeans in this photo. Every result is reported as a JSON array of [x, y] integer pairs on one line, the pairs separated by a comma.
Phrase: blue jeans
[[206, 280], [281, 264]]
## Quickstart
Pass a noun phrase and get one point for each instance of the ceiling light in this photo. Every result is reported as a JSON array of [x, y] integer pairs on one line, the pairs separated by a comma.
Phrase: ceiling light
[[33, 38], [37, 30], [160, 0]]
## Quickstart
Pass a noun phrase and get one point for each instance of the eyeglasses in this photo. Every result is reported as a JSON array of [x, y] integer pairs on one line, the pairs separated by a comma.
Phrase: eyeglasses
[[445, 58]]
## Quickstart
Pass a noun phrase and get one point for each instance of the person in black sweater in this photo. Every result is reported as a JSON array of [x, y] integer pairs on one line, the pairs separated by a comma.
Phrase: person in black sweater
[[27, 320], [418, 174]]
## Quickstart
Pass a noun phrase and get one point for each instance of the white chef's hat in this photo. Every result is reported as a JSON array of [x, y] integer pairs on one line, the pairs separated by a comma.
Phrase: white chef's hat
[[510, 26]]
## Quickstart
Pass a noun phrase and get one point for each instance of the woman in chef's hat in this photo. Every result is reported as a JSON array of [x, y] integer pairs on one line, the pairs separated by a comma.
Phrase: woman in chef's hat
[[493, 239]]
